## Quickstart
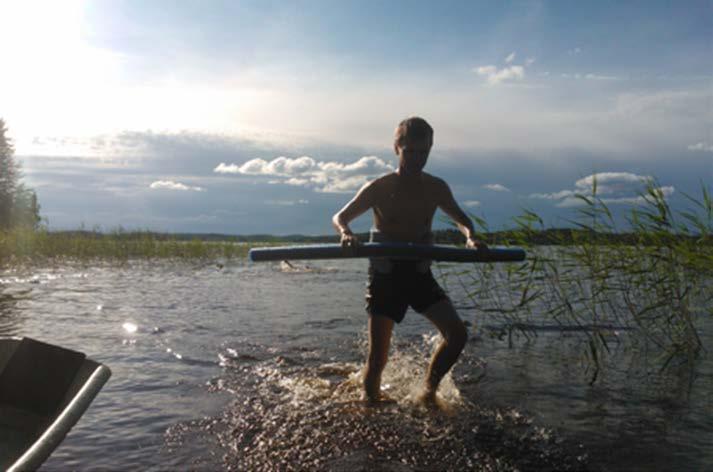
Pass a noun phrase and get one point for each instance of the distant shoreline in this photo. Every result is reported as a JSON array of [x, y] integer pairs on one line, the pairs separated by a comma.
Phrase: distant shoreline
[[553, 236], [20, 247]]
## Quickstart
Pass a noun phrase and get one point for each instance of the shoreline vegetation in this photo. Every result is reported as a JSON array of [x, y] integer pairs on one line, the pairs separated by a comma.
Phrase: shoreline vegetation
[[23, 246]]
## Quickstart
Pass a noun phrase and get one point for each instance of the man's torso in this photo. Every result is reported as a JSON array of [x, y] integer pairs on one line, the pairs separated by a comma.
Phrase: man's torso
[[404, 207]]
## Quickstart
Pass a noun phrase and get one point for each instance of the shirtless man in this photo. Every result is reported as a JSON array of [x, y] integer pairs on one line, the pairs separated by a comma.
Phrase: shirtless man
[[404, 203]]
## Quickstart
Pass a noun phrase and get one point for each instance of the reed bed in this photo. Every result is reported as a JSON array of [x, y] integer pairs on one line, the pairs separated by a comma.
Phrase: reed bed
[[648, 292], [25, 246]]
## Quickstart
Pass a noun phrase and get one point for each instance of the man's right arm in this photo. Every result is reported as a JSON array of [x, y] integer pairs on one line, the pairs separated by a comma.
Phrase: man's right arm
[[358, 205]]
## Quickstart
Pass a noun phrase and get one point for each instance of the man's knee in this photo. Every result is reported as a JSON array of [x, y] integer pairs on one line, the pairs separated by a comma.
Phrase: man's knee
[[458, 336]]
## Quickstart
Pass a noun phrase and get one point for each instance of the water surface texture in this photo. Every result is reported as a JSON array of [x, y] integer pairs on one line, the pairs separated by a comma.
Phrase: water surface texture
[[256, 367]]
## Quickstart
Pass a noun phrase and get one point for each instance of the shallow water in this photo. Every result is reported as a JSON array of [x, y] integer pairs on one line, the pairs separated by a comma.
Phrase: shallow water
[[255, 367]]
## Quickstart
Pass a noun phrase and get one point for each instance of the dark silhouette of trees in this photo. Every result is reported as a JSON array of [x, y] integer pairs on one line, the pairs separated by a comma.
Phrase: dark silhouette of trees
[[18, 203]]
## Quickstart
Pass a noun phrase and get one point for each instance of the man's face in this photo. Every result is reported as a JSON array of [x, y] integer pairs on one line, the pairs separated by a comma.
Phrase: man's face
[[413, 154]]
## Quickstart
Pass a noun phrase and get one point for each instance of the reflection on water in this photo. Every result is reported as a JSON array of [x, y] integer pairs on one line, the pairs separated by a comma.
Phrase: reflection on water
[[10, 314], [255, 366]]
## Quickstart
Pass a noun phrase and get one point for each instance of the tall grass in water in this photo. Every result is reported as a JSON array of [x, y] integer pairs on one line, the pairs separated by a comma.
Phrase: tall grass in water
[[23, 246], [654, 282]]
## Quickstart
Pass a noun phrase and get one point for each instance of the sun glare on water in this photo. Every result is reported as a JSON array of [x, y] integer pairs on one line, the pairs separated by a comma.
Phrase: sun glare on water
[[129, 327]]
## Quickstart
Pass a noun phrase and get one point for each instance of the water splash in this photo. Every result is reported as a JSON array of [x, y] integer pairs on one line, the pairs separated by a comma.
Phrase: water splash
[[300, 416], [291, 267], [130, 327]]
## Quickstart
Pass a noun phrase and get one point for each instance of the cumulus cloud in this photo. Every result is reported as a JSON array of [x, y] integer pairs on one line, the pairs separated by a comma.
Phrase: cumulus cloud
[[496, 187], [554, 196], [600, 77], [666, 192], [171, 185], [329, 177], [292, 181], [608, 182], [578, 76], [701, 146], [615, 187], [281, 166], [287, 202], [496, 76], [509, 73]]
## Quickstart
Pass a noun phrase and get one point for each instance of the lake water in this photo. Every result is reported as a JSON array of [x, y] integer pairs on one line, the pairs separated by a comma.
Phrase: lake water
[[255, 367]]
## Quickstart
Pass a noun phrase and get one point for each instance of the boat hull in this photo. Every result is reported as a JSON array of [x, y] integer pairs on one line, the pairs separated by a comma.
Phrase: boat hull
[[44, 390]]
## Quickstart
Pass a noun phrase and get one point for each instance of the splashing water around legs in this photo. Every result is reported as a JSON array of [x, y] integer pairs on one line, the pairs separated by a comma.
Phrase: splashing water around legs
[[292, 416], [380, 329], [455, 335]]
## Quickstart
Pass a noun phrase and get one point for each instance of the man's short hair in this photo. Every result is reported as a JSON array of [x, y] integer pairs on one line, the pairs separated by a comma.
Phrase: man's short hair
[[413, 128]]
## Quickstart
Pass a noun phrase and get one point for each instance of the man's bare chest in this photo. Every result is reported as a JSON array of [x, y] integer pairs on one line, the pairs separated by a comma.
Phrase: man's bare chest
[[406, 206]]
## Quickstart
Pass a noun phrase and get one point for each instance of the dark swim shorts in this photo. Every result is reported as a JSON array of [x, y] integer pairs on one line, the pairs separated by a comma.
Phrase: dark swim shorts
[[390, 294]]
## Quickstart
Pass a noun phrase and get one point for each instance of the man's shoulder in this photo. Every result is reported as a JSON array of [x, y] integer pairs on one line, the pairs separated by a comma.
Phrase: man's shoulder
[[376, 187], [383, 180], [435, 181], [386, 177]]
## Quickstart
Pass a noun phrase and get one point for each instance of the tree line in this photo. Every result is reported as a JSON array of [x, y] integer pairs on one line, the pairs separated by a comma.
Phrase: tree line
[[18, 203]]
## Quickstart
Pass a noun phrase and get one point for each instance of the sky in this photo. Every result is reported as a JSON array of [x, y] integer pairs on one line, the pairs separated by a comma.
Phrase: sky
[[253, 117]]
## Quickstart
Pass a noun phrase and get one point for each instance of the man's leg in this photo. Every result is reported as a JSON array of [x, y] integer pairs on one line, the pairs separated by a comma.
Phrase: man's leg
[[455, 334], [380, 328]]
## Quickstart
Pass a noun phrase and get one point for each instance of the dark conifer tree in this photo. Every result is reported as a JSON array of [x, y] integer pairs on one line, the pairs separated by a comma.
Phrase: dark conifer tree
[[18, 204], [8, 178]]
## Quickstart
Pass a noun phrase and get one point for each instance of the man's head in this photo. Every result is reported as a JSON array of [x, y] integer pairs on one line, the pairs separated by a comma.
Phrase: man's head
[[412, 143]]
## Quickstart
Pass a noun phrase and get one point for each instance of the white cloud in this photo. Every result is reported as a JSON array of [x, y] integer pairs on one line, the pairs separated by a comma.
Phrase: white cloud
[[510, 72], [292, 181], [471, 203], [618, 186], [281, 166], [496, 187], [349, 184], [600, 77], [329, 177], [496, 76], [227, 169], [579, 76], [171, 185], [637, 200], [553, 196], [286, 202], [701, 146], [609, 182]]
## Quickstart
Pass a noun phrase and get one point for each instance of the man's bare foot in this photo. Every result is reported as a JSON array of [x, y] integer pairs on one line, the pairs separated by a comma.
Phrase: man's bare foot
[[428, 399], [380, 399]]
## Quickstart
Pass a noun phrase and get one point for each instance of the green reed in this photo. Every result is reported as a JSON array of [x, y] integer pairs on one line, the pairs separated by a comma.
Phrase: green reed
[[645, 289], [21, 246]]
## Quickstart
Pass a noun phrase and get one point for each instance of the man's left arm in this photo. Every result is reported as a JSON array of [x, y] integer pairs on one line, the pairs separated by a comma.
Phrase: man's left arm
[[450, 207]]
